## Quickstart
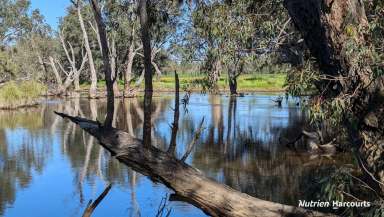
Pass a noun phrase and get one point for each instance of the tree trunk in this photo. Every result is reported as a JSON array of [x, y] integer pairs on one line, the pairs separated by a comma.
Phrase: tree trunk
[[175, 124], [157, 69], [145, 38], [113, 56], [106, 64], [93, 88], [188, 183], [214, 76], [141, 78], [233, 86], [42, 64], [77, 83], [330, 29], [59, 81], [128, 72], [232, 80]]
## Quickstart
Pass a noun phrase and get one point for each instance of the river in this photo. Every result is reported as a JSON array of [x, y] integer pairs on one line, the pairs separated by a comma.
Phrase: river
[[49, 167]]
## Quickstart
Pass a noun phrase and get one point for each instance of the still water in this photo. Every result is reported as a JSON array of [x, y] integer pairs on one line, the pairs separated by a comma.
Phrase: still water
[[49, 167]]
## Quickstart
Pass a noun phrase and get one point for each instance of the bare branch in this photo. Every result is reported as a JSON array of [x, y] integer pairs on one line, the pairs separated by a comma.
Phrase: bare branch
[[139, 48], [73, 55], [175, 124], [96, 30], [194, 140], [65, 47], [61, 67], [92, 206], [55, 71]]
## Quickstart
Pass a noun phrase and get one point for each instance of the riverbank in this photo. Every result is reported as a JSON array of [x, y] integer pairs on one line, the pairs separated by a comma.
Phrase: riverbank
[[246, 83]]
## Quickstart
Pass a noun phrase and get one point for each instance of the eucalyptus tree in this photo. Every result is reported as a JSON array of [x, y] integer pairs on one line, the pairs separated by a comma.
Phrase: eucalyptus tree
[[71, 32], [78, 4], [107, 69], [74, 69], [234, 31], [14, 20], [122, 22], [25, 41]]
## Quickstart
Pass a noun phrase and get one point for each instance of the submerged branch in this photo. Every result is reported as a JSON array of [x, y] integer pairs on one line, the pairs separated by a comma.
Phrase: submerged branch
[[92, 206], [175, 124], [194, 140]]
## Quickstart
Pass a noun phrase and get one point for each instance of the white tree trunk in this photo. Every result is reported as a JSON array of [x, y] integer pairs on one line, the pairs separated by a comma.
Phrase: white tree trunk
[[59, 81], [93, 88]]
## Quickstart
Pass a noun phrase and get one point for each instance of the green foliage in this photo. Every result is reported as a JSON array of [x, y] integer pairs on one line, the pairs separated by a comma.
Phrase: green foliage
[[8, 68], [375, 11], [25, 41], [14, 19], [301, 81], [13, 93], [341, 185], [232, 36], [334, 186]]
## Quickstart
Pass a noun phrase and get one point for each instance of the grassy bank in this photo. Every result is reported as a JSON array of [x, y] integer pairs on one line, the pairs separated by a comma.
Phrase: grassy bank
[[20, 94], [246, 83]]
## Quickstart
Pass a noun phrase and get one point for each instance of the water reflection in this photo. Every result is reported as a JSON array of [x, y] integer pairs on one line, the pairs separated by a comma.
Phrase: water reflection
[[50, 161]]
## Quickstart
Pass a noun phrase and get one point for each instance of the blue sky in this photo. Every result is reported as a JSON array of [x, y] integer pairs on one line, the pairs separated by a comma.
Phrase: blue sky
[[51, 9]]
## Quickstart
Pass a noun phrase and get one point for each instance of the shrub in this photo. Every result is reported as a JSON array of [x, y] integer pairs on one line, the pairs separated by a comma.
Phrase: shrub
[[14, 94]]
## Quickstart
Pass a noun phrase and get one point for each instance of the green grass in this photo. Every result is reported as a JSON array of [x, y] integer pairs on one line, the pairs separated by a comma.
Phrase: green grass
[[256, 82], [15, 94], [248, 82]]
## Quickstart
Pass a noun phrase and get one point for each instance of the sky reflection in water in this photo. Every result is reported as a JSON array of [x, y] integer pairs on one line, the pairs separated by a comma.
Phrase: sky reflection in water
[[49, 167]]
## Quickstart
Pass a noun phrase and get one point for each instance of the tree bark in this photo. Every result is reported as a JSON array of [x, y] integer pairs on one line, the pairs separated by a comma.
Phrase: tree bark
[[93, 88], [113, 56], [59, 81], [214, 75], [145, 38], [175, 124], [188, 183], [72, 61], [106, 63], [128, 91], [76, 83], [232, 80], [329, 29], [153, 55]]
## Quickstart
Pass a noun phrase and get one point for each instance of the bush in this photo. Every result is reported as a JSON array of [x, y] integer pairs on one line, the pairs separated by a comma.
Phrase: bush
[[15, 94]]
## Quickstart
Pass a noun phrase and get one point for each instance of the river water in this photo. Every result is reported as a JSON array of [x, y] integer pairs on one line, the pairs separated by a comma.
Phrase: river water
[[49, 167]]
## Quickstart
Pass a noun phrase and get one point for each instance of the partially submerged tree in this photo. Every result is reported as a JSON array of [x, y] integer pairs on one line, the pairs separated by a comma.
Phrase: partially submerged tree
[[110, 79]]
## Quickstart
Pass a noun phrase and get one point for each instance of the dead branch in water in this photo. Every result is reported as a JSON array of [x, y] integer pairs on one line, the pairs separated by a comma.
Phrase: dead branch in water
[[92, 206], [213, 198]]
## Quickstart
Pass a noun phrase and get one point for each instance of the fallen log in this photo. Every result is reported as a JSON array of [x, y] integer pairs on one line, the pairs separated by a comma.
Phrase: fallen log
[[213, 198]]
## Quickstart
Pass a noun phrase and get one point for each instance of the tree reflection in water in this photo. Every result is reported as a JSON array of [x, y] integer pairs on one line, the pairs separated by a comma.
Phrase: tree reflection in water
[[240, 146]]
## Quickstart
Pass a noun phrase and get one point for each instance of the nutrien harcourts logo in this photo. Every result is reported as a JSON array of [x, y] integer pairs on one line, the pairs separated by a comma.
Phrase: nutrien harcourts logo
[[334, 204]]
